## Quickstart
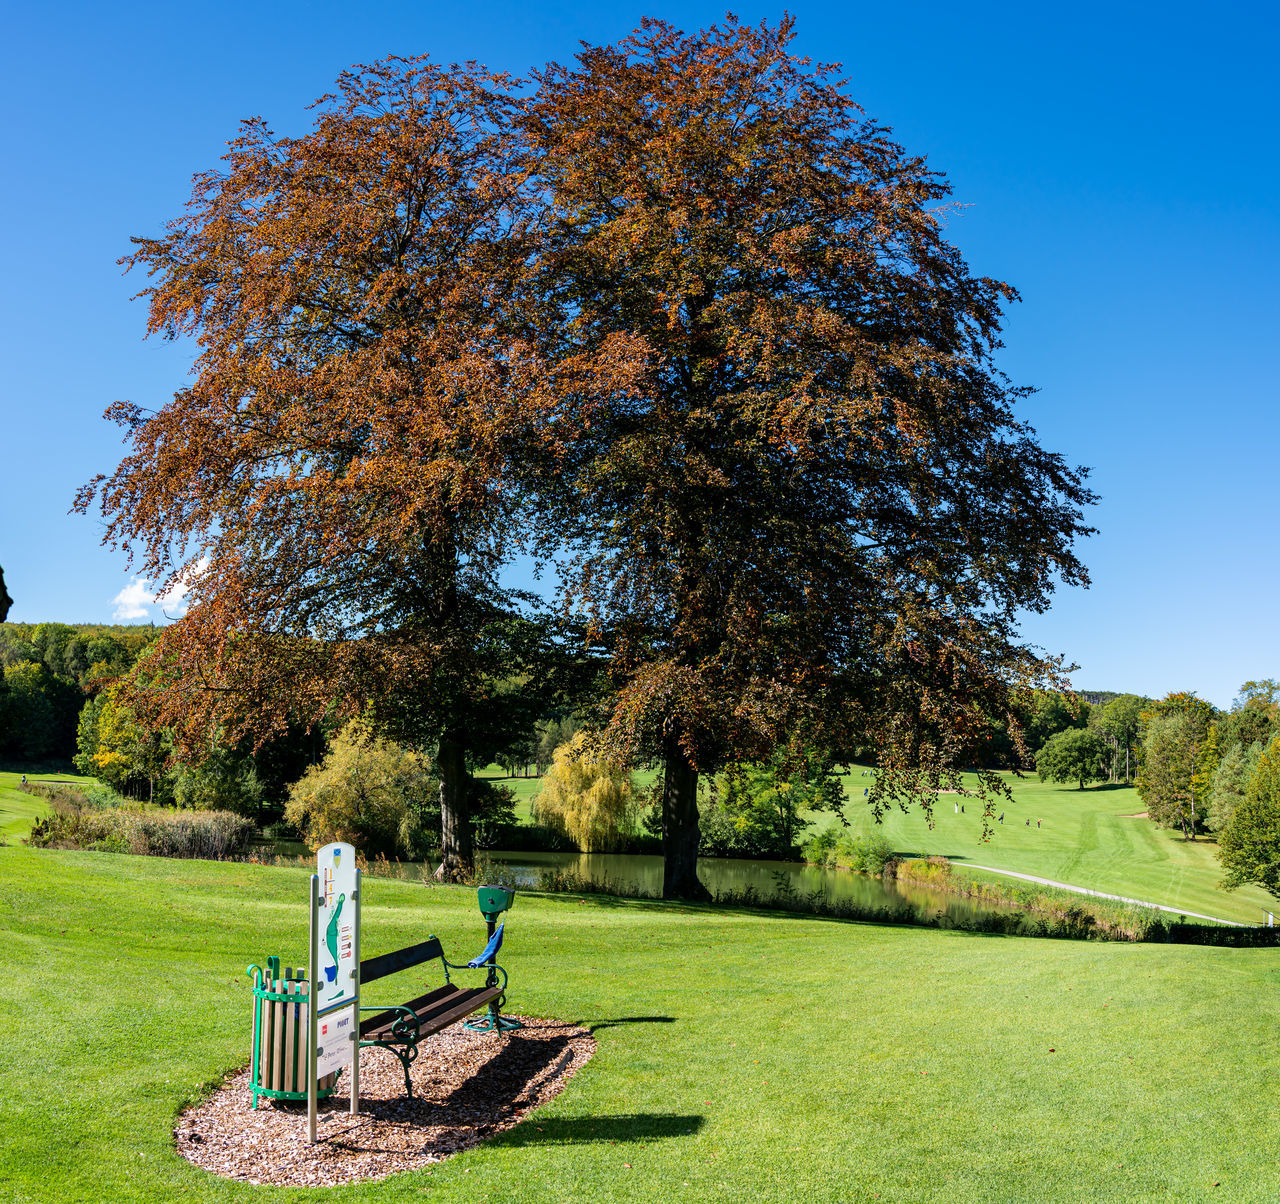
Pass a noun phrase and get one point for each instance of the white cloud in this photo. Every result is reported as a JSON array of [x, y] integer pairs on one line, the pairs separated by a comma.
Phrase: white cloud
[[137, 598], [132, 601]]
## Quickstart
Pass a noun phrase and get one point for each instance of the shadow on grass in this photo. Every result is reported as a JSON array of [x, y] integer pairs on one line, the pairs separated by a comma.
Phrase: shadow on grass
[[599, 1024], [578, 1130]]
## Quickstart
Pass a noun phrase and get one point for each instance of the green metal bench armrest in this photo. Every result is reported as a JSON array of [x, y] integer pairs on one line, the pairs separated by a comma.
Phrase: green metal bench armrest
[[486, 966], [407, 1016]]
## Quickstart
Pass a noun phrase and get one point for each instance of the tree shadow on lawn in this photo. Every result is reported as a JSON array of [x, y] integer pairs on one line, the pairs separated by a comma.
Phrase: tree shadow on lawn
[[599, 1024], [618, 1130]]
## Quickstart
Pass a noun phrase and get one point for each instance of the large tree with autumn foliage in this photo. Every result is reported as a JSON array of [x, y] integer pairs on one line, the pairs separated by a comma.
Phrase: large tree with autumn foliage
[[332, 486], [814, 514]]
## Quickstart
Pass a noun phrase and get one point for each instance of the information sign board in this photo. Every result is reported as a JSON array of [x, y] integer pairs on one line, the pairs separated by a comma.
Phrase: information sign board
[[334, 1042], [335, 956]]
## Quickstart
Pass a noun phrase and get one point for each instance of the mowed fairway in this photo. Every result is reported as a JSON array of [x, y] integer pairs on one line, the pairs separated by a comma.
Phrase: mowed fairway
[[741, 1056], [19, 810], [1091, 838]]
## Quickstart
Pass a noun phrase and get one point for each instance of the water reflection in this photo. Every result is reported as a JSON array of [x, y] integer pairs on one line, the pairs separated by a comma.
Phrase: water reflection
[[724, 875], [729, 875]]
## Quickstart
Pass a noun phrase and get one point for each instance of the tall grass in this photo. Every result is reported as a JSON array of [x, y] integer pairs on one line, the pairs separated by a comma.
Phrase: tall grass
[[142, 830], [75, 794]]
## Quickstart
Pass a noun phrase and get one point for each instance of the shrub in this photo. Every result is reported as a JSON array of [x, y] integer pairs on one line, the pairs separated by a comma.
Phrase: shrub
[[822, 848], [368, 792], [868, 854], [932, 871]]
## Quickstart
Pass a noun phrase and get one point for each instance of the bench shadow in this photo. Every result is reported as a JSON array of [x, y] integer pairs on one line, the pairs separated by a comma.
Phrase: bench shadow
[[499, 1084], [578, 1130]]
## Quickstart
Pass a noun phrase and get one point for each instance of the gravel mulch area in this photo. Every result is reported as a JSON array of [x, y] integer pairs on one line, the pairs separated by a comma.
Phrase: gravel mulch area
[[466, 1087]]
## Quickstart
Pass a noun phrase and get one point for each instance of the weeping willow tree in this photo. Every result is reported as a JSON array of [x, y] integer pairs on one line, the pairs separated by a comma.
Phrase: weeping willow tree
[[586, 797]]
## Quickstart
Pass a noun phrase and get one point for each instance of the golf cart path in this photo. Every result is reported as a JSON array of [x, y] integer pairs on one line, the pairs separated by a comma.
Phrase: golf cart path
[[1097, 894]]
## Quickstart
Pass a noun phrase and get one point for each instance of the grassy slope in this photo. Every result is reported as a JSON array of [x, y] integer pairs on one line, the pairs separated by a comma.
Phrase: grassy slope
[[1090, 838], [18, 811], [741, 1056]]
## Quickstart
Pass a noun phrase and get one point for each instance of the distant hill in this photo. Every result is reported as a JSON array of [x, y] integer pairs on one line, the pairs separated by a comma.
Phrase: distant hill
[[1099, 697], [132, 636]]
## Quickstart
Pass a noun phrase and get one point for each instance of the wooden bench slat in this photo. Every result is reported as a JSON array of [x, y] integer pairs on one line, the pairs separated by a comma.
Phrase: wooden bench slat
[[401, 959], [436, 1010], [387, 1018], [438, 1017]]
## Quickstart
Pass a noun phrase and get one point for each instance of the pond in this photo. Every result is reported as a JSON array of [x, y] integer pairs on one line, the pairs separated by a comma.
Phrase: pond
[[723, 874]]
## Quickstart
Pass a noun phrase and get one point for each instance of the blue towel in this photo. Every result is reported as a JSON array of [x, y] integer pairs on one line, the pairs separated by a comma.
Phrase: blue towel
[[495, 943]]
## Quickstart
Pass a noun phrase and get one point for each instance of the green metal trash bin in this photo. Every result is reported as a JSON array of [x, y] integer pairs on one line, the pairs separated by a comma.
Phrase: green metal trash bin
[[279, 1067]]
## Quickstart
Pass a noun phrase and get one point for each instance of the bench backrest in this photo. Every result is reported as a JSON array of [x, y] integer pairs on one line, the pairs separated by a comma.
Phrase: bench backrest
[[401, 959]]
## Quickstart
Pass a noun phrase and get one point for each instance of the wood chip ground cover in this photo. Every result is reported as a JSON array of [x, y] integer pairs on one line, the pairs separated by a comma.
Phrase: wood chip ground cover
[[467, 1086]]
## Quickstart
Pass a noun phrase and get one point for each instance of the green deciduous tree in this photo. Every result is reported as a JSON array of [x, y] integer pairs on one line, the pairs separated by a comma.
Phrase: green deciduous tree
[[1049, 712], [587, 797], [1254, 716], [129, 756], [28, 723], [1119, 722], [1074, 755], [552, 733], [1208, 758], [762, 810], [222, 781], [1249, 845], [1230, 783], [1176, 727], [37, 713]]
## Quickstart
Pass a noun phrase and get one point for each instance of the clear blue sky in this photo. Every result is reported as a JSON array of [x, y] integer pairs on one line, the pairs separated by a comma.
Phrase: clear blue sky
[[1118, 164]]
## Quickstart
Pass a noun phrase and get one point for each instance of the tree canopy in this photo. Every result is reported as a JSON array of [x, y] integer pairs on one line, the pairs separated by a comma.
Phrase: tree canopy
[[680, 315], [814, 508], [1074, 755], [1249, 845], [332, 486], [1176, 729], [586, 797]]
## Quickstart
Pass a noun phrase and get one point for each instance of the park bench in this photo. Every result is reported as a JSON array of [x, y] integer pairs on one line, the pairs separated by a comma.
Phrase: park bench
[[401, 1029]]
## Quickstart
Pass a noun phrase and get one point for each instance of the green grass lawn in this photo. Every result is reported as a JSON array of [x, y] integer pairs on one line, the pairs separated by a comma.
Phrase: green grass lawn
[[741, 1056], [19, 810], [1089, 838]]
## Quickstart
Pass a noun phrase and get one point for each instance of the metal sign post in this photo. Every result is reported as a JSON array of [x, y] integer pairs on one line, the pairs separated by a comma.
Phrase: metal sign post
[[333, 1000], [313, 1085]]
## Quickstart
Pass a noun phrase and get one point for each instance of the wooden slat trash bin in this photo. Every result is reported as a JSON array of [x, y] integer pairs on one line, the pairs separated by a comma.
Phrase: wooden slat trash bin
[[279, 1067]]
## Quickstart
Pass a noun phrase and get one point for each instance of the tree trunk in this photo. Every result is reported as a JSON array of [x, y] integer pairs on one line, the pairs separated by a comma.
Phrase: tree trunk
[[680, 834], [457, 858]]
